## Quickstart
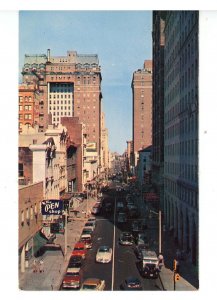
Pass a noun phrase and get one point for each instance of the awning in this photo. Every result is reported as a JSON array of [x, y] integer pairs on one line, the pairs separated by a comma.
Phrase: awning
[[39, 240], [66, 196]]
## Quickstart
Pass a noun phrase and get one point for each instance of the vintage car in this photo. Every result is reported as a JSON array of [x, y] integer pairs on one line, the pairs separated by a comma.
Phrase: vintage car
[[131, 284], [93, 284], [87, 240], [80, 249], [75, 263], [126, 238], [71, 280], [104, 254]]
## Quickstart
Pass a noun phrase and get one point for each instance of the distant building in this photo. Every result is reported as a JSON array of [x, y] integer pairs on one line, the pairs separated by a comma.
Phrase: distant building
[[142, 107]]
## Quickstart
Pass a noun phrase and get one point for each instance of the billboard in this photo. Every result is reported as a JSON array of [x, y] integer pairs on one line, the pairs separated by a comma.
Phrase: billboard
[[51, 207]]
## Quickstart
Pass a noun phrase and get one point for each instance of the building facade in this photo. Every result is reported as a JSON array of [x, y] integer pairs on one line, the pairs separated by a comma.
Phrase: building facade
[[181, 128], [30, 222], [158, 40], [28, 105], [69, 86], [142, 107]]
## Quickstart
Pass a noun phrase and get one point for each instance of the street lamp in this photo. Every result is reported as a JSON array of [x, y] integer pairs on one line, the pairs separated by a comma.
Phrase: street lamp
[[159, 214]]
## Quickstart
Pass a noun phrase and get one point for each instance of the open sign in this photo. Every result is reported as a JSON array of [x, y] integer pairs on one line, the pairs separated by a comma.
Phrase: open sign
[[51, 207]]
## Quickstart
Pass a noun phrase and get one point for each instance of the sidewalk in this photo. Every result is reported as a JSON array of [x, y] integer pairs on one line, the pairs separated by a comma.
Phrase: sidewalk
[[188, 272], [55, 263]]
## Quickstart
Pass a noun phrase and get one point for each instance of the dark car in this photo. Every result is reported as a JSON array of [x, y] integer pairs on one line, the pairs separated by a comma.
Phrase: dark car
[[75, 261], [126, 238], [131, 284], [150, 271]]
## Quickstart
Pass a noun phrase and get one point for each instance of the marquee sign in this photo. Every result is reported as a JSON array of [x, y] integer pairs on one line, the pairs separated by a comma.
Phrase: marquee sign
[[51, 207]]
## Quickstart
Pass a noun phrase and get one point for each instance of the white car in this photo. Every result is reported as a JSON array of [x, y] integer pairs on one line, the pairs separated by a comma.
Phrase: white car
[[104, 254], [93, 284]]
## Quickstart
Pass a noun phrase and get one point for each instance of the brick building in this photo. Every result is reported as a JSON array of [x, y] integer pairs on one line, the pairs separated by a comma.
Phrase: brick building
[[142, 107], [69, 86]]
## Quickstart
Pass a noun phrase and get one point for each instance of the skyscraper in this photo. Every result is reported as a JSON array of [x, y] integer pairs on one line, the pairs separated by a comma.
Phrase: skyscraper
[[158, 103], [181, 128], [142, 107]]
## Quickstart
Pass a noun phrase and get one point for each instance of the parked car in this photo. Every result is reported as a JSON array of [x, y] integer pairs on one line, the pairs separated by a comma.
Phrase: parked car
[[90, 225], [71, 280], [93, 220], [93, 284], [104, 254], [87, 231], [87, 240], [75, 263], [80, 249], [126, 238], [131, 284]]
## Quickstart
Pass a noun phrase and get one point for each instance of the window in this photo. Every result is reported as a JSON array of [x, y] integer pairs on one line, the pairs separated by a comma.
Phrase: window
[[20, 99], [20, 107], [27, 116], [22, 216], [21, 171]]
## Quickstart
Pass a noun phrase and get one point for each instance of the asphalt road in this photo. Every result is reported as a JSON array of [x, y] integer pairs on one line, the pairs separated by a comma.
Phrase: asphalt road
[[123, 263]]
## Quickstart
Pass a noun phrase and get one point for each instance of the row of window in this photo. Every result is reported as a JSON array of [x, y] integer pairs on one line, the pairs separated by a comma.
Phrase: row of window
[[186, 126], [59, 108], [53, 96], [26, 117], [26, 99], [29, 212], [25, 107], [187, 171], [186, 148]]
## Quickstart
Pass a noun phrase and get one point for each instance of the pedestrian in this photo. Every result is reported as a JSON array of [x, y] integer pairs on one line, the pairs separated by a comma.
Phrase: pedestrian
[[41, 266], [160, 261], [34, 266]]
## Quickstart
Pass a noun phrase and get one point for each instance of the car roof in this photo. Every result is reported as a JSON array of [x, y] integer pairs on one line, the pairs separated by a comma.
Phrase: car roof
[[92, 281]]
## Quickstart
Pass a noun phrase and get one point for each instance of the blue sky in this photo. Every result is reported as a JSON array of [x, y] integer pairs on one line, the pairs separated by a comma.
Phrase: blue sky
[[122, 40]]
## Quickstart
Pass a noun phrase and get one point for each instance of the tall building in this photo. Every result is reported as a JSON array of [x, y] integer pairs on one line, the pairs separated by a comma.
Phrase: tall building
[[181, 128], [70, 86], [142, 107], [158, 104]]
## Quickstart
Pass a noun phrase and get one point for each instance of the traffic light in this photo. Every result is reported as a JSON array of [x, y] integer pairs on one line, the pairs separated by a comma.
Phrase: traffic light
[[174, 265], [177, 277]]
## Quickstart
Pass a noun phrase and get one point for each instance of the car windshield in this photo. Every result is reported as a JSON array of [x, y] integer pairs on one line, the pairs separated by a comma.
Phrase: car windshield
[[74, 265], [104, 249], [89, 287], [79, 248], [72, 274]]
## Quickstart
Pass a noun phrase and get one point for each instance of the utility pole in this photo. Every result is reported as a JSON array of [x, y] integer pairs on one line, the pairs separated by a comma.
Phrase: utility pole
[[159, 231], [66, 234]]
